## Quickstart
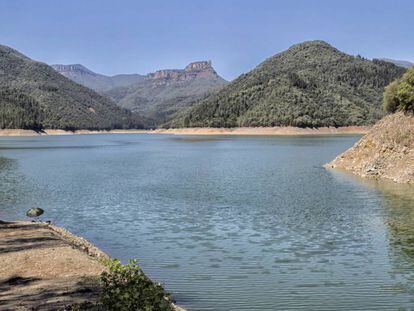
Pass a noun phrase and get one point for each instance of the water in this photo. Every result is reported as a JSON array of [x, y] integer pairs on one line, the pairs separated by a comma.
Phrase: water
[[226, 223]]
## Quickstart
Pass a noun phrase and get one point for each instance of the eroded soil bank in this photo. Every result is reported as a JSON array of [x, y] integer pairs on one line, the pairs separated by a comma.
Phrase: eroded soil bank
[[386, 151]]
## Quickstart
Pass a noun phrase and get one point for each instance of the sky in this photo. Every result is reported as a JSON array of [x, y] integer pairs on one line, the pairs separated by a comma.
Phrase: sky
[[127, 36]]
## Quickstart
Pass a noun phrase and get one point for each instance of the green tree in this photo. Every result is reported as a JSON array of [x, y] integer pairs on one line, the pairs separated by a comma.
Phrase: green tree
[[399, 95], [391, 102]]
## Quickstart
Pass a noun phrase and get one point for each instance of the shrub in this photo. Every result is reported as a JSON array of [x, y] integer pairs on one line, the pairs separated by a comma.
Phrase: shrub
[[399, 95], [126, 287], [391, 102]]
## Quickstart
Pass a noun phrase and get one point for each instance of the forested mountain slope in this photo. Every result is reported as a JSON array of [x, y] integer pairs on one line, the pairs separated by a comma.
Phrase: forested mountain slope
[[34, 95], [312, 84]]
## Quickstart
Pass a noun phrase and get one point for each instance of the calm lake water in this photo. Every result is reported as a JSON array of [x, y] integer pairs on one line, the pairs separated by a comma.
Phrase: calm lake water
[[226, 223]]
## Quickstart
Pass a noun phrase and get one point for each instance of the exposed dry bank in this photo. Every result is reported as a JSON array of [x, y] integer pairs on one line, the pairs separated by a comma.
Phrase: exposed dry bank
[[279, 130], [21, 132], [44, 267], [386, 151]]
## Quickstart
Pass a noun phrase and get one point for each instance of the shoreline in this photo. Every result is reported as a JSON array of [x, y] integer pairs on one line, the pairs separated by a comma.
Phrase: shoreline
[[263, 131], [54, 132], [246, 131], [47, 267]]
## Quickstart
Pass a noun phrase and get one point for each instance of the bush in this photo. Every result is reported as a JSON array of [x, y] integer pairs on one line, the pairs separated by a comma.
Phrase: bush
[[126, 287], [399, 95], [391, 102]]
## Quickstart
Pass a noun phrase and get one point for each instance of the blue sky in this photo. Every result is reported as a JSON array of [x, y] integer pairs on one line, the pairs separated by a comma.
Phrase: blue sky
[[142, 36]]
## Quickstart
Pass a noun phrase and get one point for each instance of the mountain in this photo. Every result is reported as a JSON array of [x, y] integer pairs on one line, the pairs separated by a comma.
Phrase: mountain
[[311, 84], [34, 95], [401, 63], [95, 81], [164, 92]]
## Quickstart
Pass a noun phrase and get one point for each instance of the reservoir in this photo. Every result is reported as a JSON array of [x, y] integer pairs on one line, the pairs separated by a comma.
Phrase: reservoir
[[225, 222]]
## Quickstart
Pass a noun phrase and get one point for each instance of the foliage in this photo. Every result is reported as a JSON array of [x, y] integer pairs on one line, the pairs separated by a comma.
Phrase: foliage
[[60, 103], [126, 287], [310, 85], [17, 110], [390, 100], [399, 95]]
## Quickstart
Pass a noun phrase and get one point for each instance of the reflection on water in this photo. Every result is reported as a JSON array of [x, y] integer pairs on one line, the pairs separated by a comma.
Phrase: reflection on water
[[227, 223], [399, 218], [9, 183]]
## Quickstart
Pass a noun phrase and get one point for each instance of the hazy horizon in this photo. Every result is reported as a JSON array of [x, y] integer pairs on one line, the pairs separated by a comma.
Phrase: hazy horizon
[[142, 36]]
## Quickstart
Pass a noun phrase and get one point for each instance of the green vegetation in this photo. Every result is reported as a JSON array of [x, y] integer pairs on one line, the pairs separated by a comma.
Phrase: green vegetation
[[51, 100], [17, 110], [310, 85], [126, 287], [399, 95]]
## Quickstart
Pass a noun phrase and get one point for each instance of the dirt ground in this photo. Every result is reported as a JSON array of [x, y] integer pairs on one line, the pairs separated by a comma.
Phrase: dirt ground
[[277, 131], [45, 267]]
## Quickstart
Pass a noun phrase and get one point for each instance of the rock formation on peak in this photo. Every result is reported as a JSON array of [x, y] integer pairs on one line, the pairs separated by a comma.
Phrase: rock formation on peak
[[164, 92]]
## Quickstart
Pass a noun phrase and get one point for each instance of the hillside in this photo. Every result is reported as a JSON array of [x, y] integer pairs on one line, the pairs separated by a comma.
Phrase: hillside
[[312, 84], [98, 82], [162, 93], [401, 63], [33, 95], [387, 151]]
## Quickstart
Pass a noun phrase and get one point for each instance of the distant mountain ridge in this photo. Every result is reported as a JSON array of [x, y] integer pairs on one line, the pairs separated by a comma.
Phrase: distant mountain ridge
[[34, 96], [98, 82], [401, 63], [164, 92], [312, 84]]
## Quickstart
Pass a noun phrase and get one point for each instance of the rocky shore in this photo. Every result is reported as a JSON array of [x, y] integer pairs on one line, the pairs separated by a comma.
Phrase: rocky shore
[[386, 151]]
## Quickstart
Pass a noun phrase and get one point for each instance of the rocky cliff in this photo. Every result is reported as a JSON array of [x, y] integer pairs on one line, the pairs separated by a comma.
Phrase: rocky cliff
[[386, 151], [165, 92], [201, 69]]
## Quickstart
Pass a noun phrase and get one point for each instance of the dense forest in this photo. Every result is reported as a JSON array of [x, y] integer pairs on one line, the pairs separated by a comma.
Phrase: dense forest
[[17, 110], [312, 84], [44, 98]]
